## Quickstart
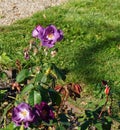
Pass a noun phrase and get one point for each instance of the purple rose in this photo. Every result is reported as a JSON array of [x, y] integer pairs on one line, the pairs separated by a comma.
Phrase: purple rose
[[37, 31], [22, 114], [50, 36], [43, 112]]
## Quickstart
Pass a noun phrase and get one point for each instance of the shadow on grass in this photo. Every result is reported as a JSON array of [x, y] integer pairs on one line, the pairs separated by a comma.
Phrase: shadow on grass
[[90, 65]]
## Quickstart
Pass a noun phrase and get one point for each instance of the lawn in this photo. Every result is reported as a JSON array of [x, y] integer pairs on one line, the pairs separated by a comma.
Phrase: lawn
[[90, 50]]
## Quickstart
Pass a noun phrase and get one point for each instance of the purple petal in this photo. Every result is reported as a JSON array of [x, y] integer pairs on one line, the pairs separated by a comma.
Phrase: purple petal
[[38, 31], [15, 115], [51, 114], [48, 43], [50, 29], [60, 35]]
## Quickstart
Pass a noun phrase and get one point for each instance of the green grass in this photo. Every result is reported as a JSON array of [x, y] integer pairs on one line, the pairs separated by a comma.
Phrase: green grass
[[90, 49]]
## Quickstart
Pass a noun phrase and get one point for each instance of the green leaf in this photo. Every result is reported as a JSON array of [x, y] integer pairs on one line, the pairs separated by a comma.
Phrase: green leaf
[[57, 73], [27, 89], [89, 113], [44, 79], [34, 97], [85, 125], [109, 119], [9, 127], [44, 93], [99, 126], [23, 74], [38, 77], [102, 102], [55, 97]]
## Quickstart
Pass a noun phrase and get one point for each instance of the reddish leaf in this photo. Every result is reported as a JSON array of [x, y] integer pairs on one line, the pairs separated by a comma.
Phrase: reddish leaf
[[58, 88], [77, 88]]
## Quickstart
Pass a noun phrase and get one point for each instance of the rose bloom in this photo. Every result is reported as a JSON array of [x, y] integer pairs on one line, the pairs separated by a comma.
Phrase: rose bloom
[[22, 114], [43, 112], [50, 36]]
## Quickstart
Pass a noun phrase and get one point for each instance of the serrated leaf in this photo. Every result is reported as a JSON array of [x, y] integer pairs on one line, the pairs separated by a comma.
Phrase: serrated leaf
[[27, 89], [34, 97], [57, 73], [44, 93], [55, 97], [22, 75]]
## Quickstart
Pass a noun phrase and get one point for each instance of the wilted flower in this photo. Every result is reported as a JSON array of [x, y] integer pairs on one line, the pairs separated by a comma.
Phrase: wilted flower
[[26, 54], [43, 111], [16, 85], [38, 31], [22, 114], [54, 52], [104, 82], [50, 36]]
